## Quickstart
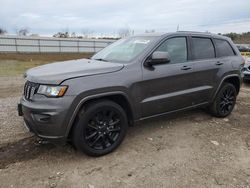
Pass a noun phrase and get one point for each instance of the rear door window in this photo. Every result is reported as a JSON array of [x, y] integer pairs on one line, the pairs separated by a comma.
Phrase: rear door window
[[223, 48], [203, 48]]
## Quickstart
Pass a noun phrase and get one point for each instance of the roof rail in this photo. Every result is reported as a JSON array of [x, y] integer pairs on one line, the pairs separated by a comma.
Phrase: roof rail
[[196, 32]]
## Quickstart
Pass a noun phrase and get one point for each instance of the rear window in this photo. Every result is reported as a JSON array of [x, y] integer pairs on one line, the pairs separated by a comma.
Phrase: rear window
[[223, 48], [203, 48]]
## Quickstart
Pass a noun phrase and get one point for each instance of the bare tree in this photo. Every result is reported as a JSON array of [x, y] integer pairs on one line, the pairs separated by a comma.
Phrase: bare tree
[[2, 31], [23, 31], [86, 32], [124, 32], [61, 35], [73, 35]]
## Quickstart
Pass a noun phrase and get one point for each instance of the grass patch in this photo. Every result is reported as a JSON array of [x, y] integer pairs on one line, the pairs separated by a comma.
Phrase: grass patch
[[43, 56], [17, 68], [15, 64]]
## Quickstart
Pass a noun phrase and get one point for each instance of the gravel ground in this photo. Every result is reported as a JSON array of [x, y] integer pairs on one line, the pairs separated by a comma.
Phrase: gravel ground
[[190, 149], [11, 86], [11, 129]]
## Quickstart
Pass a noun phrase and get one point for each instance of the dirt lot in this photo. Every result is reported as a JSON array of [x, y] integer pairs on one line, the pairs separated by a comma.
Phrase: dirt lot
[[190, 149]]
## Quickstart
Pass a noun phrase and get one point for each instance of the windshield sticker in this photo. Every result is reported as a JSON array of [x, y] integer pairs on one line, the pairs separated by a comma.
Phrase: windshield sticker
[[142, 41]]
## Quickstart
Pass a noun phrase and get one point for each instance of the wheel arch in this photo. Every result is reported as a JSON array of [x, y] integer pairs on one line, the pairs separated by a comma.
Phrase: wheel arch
[[233, 79], [118, 97]]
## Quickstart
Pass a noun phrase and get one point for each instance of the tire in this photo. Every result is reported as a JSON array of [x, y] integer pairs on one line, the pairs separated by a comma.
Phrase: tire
[[100, 129], [224, 101]]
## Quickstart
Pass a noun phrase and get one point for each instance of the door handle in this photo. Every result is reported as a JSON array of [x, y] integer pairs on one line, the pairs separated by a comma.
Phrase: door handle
[[218, 63], [186, 68]]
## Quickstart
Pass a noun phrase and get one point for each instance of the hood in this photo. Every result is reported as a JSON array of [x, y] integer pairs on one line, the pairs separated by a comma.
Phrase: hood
[[55, 73]]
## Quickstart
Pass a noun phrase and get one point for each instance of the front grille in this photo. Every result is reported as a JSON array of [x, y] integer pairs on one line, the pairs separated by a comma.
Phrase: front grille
[[30, 89]]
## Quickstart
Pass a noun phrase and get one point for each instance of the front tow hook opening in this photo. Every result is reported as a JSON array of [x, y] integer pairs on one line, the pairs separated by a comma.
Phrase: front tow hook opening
[[19, 109]]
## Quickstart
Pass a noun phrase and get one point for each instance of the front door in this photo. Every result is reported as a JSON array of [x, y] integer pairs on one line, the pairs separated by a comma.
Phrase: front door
[[168, 87]]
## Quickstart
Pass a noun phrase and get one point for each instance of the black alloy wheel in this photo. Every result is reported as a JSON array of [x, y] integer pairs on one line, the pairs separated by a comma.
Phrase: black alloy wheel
[[100, 128], [103, 129], [225, 101]]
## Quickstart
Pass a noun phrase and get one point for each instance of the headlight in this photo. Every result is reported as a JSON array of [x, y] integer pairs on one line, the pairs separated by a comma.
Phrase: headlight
[[52, 91]]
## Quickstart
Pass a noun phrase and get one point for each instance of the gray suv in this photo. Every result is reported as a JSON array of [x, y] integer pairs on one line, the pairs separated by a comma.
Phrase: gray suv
[[93, 101]]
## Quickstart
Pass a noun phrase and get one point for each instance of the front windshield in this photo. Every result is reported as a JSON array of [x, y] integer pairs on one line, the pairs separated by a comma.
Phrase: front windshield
[[124, 50]]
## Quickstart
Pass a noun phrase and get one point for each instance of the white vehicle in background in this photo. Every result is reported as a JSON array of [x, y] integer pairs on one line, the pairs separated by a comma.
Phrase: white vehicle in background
[[246, 70]]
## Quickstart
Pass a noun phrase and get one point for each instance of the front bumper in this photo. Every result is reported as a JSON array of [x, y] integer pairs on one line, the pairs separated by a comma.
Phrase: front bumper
[[46, 117], [246, 75]]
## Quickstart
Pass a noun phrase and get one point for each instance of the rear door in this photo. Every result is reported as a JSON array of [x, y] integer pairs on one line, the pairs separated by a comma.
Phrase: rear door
[[206, 68]]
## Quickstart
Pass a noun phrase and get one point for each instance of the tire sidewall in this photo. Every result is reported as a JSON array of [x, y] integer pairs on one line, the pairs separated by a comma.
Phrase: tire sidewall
[[217, 103], [83, 117]]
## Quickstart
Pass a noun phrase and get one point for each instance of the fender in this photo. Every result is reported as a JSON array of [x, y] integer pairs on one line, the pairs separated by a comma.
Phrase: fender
[[83, 100], [226, 77]]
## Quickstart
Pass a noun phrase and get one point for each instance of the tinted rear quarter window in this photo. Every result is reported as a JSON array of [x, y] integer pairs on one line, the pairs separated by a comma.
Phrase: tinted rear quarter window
[[223, 48], [203, 48]]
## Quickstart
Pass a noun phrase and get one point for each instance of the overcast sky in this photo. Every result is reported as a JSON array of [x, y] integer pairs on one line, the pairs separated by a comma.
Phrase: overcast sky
[[46, 17]]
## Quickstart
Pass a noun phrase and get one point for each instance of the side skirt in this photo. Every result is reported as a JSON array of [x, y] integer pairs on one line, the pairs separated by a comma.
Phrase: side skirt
[[165, 113]]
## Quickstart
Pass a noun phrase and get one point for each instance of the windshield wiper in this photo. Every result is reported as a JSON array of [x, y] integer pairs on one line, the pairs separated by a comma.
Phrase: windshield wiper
[[100, 59]]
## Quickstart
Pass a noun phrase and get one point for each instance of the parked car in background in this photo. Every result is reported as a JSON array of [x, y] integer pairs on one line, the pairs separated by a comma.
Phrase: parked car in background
[[93, 101], [243, 47], [246, 70]]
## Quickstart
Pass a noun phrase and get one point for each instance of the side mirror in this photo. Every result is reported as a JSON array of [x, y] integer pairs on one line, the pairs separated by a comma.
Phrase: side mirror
[[158, 57]]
